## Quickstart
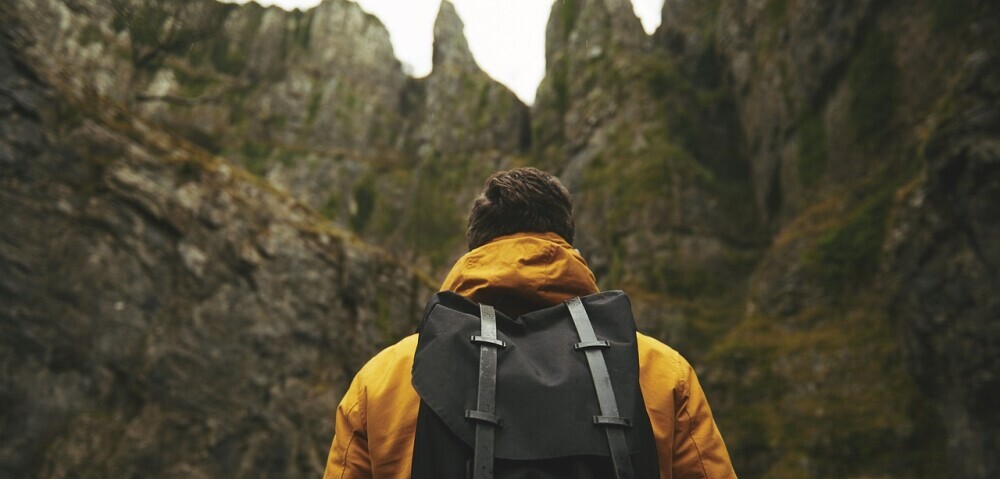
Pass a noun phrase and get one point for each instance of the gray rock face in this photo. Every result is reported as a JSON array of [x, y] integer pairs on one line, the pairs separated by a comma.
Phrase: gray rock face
[[786, 303], [585, 41], [165, 314], [796, 194], [313, 101], [945, 259], [785, 59], [615, 118], [272, 90], [463, 111]]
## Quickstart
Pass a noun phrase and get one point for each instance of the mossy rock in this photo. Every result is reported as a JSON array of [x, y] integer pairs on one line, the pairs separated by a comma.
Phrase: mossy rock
[[302, 32], [331, 207], [776, 11], [848, 255], [812, 154], [951, 15], [365, 195], [560, 85], [873, 81], [256, 157], [569, 11], [315, 102], [192, 84], [225, 59], [830, 400]]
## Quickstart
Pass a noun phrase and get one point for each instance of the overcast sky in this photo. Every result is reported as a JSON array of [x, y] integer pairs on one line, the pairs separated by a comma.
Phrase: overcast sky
[[507, 37]]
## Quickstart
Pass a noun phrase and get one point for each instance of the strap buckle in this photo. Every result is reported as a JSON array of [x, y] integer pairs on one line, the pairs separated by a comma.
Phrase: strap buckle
[[612, 421], [483, 417], [489, 341], [602, 343]]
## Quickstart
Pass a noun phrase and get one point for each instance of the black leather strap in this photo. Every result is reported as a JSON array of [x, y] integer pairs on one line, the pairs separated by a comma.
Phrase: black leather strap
[[485, 417], [486, 420], [605, 394]]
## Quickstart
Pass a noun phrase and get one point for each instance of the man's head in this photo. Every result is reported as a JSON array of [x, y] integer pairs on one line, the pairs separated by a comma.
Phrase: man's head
[[519, 201]]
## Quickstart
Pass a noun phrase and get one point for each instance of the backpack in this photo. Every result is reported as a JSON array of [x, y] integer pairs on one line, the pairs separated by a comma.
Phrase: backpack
[[552, 393]]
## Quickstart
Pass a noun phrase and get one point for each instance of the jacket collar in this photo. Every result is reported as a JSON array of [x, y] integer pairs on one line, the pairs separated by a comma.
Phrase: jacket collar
[[521, 272]]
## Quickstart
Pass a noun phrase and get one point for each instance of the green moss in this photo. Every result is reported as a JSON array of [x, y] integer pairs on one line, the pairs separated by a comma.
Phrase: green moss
[[776, 10], [210, 142], [686, 283], [383, 317], [255, 157], [873, 83], [314, 103], [255, 18], [951, 15], [708, 68], [230, 59], [812, 148], [90, 34], [276, 122], [303, 28], [193, 85], [789, 402], [331, 207], [484, 97], [847, 256], [145, 24], [365, 195], [224, 60], [119, 19], [661, 79], [432, 221], [287, 156], [560, 85], [569, 11]]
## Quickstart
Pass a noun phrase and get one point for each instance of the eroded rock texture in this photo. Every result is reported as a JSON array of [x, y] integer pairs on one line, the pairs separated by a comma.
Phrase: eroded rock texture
[[164, 313], [800, 196], [945, 257]]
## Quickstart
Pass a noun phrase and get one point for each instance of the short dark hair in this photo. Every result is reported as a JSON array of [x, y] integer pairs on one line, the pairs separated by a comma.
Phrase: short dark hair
[[519, 201]]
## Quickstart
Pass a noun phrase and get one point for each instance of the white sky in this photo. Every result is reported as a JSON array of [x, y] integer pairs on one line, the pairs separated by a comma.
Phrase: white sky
[[506, 37]]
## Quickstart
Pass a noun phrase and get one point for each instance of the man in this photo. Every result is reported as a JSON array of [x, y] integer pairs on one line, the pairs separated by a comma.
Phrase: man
[[521, 259]]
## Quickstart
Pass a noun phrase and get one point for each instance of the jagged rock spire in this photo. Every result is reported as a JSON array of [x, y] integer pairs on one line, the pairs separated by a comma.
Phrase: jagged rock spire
[[450, 46], [601, 23]]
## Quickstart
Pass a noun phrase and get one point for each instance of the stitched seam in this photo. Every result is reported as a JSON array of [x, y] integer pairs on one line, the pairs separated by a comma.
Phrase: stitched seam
[[364, 410], [347, 450], [343, 467], [701, 462], [681, 379]]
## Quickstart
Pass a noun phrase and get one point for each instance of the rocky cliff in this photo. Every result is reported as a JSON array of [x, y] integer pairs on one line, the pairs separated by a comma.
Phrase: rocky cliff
[[800, 196], [755, 174], [164, 312], [942, 256]]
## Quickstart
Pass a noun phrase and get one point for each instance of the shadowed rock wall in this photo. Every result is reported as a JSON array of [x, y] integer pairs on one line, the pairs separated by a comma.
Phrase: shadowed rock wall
[[800, 196], [165, 313]]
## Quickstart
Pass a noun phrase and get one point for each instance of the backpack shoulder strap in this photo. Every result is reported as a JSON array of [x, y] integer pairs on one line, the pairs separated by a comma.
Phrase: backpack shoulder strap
[[484, 415], [609, 419]]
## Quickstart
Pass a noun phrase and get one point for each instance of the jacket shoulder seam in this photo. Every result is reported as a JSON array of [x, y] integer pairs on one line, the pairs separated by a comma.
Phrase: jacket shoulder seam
[[697, 449], [354, 434]]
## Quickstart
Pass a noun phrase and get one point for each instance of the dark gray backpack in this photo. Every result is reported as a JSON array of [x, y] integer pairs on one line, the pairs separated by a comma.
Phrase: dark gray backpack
[[552, 393]]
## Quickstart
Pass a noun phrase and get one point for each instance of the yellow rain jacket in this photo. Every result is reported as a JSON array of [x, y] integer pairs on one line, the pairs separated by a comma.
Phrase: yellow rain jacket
[[376, 420]]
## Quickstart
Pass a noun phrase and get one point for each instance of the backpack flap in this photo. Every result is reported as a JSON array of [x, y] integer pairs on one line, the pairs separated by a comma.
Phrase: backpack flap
[[545, 394]]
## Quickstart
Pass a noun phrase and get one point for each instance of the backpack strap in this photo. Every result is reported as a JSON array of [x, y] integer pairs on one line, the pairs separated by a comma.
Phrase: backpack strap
[[609, 419], [486, 420]]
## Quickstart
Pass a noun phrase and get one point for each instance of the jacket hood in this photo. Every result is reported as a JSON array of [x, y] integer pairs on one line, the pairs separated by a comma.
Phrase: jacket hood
[[522, 272]]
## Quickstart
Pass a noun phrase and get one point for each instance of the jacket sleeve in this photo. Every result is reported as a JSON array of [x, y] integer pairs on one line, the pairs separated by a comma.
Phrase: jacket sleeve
[[699, 452], [348, 457]]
